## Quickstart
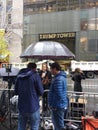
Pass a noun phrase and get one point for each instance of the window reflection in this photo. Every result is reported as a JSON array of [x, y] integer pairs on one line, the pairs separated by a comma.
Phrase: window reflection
[[37, 6], [83, 44], [92, 45], [84, 24], [92, 25]]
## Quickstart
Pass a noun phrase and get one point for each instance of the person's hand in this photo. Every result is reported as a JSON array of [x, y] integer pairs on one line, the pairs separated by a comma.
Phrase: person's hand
[[45, 81]]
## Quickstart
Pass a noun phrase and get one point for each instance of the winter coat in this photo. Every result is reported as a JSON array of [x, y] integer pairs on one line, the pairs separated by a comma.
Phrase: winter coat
[[57, 93], [77, 77], [47, 79], [29, 87]]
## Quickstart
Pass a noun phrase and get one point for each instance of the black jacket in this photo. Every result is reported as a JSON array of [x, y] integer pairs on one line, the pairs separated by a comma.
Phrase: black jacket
[[47, 75], [77, 77]]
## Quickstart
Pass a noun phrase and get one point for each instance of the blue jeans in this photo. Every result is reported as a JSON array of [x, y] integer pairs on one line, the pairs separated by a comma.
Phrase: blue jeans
[[33, 118], [58, 118]]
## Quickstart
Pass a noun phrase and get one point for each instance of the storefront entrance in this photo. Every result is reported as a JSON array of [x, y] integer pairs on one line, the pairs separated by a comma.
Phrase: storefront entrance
[[67, 38]]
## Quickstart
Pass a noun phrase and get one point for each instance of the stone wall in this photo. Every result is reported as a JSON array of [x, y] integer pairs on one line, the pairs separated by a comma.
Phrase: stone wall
[[16, 35]]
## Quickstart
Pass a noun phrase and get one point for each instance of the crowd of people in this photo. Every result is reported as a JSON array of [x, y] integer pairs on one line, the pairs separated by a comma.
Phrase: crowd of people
[[30, 85]]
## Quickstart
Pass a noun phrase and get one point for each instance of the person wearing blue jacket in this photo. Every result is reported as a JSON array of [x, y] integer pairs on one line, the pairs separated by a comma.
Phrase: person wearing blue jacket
[[28, 87], [58, 101]]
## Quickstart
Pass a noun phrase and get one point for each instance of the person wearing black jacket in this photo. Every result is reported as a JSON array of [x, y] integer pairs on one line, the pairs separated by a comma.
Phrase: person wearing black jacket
[[77, 77], [46, 77]]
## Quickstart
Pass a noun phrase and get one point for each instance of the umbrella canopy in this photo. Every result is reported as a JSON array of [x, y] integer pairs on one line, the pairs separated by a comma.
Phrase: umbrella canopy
[[47, 50], [14, 72]]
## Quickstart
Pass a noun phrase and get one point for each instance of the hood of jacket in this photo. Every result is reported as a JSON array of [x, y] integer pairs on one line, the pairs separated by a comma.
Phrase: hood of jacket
[[25, 73], [28, 87], [61, 73]]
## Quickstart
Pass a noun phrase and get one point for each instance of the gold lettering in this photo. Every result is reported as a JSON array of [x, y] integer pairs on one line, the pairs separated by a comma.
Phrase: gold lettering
[[41, 36], [65, 35], [45, 36], [71, 35], [56, 35], [51, 36], [61, 35]]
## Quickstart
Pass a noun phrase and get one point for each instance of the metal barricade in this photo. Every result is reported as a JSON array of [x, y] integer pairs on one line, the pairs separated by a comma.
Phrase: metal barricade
[[8, 110], [86, 104], [76, 109]]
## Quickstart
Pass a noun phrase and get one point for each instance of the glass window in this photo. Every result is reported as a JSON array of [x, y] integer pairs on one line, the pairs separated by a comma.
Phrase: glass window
[[84, 24], [71, 2], [59, 5], [90, 3], [84, 20], [92, 19], [92, 45], [97, 44], [83, 44], [96, 3], [9, 18], [91, 24], [83, 4], [96, 19]]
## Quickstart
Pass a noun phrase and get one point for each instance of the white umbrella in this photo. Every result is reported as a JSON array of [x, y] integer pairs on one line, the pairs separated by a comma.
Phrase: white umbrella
[[47, 50]]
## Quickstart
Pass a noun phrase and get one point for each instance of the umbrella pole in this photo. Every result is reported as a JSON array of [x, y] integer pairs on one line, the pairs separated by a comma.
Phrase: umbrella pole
[[9, 95]]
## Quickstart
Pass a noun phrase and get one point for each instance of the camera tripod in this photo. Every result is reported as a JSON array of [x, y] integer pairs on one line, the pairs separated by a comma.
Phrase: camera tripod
[[6, 107]]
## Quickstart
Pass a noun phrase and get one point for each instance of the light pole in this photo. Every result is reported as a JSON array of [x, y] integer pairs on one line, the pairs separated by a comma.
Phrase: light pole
[[8, 70]]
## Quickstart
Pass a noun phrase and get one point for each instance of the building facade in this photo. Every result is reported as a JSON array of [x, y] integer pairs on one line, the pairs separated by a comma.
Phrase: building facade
[[11, 17], [71, 22]]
